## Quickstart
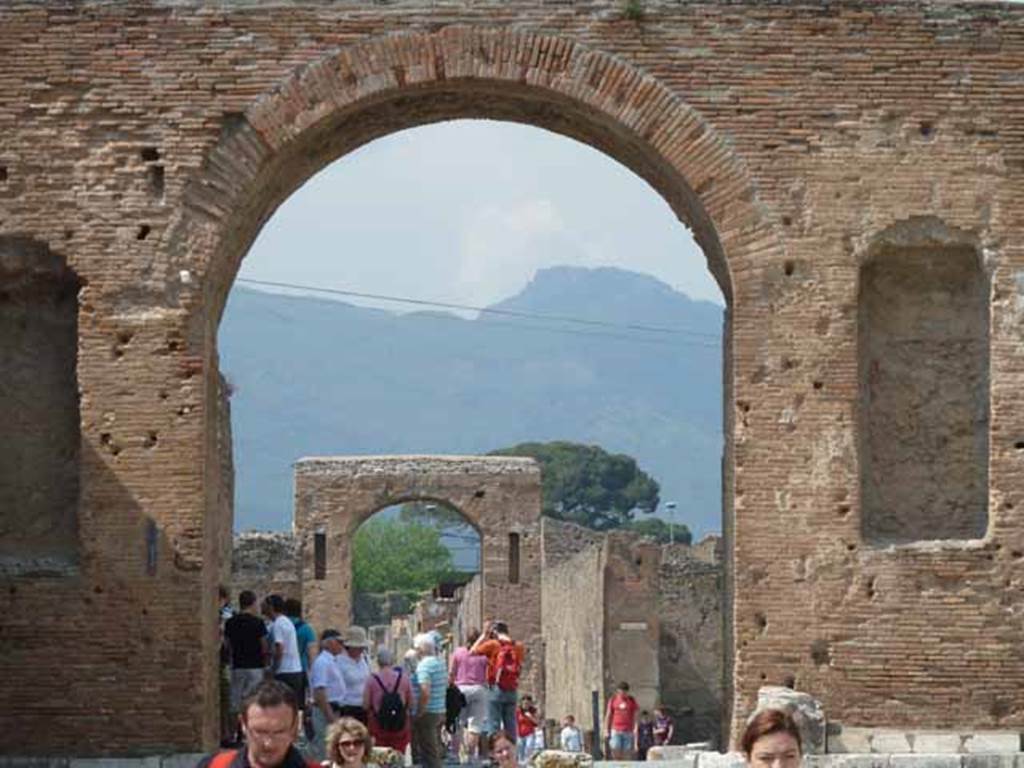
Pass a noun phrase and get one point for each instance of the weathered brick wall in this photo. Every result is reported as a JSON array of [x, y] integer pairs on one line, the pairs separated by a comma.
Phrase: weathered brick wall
[[572, 611], [266, 563], [690, 652], [145, 144]]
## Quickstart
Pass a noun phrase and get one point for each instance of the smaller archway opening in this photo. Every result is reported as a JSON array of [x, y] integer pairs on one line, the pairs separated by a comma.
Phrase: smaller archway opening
[[416, 567]]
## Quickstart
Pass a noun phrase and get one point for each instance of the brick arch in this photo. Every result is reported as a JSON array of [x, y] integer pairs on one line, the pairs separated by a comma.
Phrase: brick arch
[[353, 95], [497, 495]]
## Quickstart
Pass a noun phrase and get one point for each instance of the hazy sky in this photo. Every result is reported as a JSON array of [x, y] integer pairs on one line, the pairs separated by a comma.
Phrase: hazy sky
[[465, 212]]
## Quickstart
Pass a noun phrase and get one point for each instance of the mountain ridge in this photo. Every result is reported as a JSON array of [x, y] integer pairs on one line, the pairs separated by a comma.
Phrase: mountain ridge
[[316, 376]]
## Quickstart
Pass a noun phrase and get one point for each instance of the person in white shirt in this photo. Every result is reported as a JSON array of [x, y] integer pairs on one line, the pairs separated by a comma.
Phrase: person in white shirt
[[328, 690], [285, 661], [355, 671], [571, 740]]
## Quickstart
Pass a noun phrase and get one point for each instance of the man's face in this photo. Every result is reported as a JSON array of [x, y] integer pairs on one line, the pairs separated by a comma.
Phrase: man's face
[[269, 732]]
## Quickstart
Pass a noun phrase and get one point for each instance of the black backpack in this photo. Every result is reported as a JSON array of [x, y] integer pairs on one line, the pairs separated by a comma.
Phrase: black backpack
[[391, 712]]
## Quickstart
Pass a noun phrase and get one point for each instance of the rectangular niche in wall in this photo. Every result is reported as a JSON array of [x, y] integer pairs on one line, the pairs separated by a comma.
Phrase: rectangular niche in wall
[[39, 455], [924, 392]]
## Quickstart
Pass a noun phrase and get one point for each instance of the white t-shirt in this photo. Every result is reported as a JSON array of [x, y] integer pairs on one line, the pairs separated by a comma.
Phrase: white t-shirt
[[355, 673], [284, 635], [325, 674]]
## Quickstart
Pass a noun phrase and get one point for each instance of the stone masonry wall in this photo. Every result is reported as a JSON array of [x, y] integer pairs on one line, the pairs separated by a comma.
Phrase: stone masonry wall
[[266, 563], [573, 620], [146, 143]]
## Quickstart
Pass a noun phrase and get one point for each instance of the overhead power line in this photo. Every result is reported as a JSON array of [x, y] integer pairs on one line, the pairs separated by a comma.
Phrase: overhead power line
[[488, 310]]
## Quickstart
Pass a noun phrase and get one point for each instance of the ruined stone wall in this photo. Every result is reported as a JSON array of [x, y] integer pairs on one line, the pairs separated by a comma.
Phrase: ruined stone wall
[[499, 496], [573, 619], [266, 563], [691, 649], [469, 614], [145, 144]]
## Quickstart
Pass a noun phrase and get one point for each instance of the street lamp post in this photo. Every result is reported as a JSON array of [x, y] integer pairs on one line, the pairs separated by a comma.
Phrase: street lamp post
[[671, 507]]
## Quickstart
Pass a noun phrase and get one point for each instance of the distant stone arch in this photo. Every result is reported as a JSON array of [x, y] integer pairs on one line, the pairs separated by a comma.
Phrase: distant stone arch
[[499, 496]]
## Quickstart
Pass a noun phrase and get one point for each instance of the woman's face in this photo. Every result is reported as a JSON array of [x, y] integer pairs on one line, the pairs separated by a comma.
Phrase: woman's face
[[776, 750], [504, 753], [351, 750]]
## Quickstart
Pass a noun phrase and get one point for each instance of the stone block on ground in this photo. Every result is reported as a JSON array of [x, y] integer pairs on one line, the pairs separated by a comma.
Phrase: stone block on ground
[[556, 758], [891, 741], [843, 739], [718, 760], [983, 742], [846, 761], [925, 761], [1009, 760], [805, 710], [936, 742], [674, 752]]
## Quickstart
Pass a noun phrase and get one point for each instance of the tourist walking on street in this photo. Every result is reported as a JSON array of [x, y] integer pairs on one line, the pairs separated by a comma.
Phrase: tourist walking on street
[[620, 723], [246, 637], [570, 739], [328, 689], [644, 734], [270, 723], [355, 671], [348, 744], [527, 721], [432, 678], [468, 672], [285, 662], [387, 699], [504, 663]]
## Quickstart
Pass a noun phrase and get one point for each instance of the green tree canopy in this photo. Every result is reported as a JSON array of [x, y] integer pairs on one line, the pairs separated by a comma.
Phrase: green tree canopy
[[661, 531], [585, 484], [391, 555]]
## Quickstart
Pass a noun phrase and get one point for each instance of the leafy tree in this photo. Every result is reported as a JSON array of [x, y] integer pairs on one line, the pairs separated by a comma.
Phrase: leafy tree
[[658, 529], [393, 555], [585, 484]]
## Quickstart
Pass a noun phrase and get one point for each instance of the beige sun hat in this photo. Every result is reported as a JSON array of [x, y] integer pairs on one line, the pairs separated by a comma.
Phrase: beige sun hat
[[355, 637]]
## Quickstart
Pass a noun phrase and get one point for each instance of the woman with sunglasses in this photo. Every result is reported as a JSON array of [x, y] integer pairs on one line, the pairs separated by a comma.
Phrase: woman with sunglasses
[[348, 743]]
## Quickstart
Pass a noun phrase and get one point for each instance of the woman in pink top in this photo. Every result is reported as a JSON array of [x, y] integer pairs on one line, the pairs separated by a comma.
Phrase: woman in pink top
[[385, 679], [469, 672]]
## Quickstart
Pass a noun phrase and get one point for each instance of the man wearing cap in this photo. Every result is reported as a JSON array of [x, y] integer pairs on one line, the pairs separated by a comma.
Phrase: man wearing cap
[[328, 690], [355, 671]]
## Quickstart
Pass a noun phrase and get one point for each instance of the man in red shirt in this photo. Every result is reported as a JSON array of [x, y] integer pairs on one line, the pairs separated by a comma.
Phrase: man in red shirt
[[620, 722]]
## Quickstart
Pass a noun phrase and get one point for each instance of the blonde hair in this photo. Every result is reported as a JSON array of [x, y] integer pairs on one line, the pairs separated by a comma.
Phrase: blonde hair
[[347, 726]]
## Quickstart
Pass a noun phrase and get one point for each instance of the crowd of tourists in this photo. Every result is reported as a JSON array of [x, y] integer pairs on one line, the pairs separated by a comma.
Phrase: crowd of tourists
[[468, 710]]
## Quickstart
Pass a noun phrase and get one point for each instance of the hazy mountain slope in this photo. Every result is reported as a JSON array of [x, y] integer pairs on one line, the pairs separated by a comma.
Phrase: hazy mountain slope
[[313, 376]]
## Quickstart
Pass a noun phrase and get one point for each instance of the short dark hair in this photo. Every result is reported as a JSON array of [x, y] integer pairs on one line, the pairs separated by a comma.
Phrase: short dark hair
[[623, 686], [501, 626], [276, 603], [767, 722], [271, 693], [293, 607], [246, 598]]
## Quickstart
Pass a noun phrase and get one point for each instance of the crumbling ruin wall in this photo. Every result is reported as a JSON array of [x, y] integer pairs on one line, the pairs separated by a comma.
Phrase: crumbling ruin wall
[[499, 496], [148, 142], [691, 650], [266, 563], [573, 619]]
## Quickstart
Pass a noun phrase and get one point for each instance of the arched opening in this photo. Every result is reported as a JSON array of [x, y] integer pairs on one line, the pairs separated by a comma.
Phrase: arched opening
[[416, 567], [329, 109]]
